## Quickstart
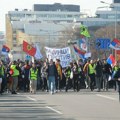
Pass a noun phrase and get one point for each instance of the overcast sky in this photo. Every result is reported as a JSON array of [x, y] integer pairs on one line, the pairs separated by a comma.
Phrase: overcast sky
[[88, 6]]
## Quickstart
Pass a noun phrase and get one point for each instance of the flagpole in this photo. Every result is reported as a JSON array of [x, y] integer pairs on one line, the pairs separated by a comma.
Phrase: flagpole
[[33, 60]]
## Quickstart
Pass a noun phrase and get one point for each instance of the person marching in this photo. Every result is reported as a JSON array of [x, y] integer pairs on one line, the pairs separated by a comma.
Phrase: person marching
[[81, 79], [1, 76], [26, 80], [67, 75], [107, 71], [86, 73], [33, 75], [52, 73], [59, 77], [114, 70], [117, 78], [75, 77], [3, 85], [91, 69], [99, 74], [44, 76], [14, 76]]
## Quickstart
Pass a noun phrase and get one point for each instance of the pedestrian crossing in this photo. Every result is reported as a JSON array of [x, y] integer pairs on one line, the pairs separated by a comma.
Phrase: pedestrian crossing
[[18, 107]]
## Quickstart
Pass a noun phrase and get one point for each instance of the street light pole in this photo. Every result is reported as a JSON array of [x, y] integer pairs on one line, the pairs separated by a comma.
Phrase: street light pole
[[48, 33], [115, 28], [115, 23], [115, 38], [111, 6]]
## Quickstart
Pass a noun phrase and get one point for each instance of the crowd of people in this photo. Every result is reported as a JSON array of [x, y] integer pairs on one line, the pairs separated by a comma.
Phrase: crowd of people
[[49, 76]]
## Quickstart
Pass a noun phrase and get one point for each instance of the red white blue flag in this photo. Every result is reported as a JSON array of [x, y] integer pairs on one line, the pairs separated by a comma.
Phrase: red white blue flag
[[5, 49], [83, 44], [79, 52], [115, 44], [111, 60]]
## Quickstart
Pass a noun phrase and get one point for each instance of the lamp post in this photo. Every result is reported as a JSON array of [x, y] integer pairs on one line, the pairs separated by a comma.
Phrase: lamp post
[[48, 35], [53, 36], [115, 27], [67, 29], [111, 6]]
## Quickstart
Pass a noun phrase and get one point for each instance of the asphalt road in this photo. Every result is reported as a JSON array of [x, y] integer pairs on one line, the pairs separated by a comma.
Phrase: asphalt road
[[83, 105]]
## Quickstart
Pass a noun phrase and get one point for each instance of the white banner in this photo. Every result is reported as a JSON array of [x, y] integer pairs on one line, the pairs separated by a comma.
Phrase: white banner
[[87, 55], [63, 54]]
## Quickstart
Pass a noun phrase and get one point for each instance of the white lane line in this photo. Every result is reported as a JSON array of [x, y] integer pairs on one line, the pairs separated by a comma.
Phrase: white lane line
[[46, 106], [104, 96], [31, 98], [54, 110]]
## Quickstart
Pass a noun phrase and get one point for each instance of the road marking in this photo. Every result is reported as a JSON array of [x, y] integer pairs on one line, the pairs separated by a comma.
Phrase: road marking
[[46, 106], [31, 98], [54, 110], [104, 96]]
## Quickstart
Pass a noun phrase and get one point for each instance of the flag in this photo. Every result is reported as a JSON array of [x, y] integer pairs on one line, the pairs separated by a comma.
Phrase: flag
[[29, 49], [81, 56], [111, 60], [115, 44], [83, 44], [87, 55], [79, 52], [84, 31], [38, 54], [5, 50]]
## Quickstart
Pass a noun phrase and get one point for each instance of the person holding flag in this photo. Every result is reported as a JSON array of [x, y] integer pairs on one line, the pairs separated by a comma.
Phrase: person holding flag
[[107, 71]]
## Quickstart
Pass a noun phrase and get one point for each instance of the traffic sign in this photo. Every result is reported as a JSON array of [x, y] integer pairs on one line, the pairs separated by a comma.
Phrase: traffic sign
[[102, 43]]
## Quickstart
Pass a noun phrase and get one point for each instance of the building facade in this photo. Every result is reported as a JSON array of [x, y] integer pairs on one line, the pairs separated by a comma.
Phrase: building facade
[[56, 7], [46, 23]]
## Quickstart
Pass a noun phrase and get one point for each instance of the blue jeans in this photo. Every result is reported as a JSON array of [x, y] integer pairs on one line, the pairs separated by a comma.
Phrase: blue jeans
[[105, 81], [51, 82]]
